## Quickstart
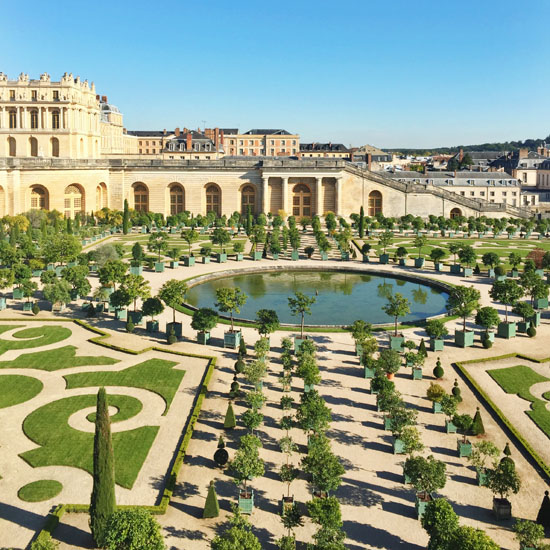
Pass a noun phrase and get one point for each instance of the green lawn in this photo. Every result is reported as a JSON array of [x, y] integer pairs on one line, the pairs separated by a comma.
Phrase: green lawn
[[15, 389], [156, 375], [34, 337], [56, 359], [518, 380], [37, 491], [61, 445]]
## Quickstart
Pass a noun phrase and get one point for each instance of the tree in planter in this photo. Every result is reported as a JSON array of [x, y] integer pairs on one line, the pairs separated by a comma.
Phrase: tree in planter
[[326, 513], [419, 242], [467, 255], [490, 259], [470, 538], [158, 242], [440, 522], [313, 415], [410, 437], [454, 249], [257, 236], [533, 285], [426, 475], [152, 307], [28, 288], [528, 533], [524, 309], [437, 254], [435, 393], [463, 423], [436, 329], [252, 419], [388, 400], [103, 504], [389, 361], [515, 260], [268, 321], [463, 301], [237, 535], [112, 273], [397, 306], [230, 300], [300, 304], [58, 292], [136, 287], [385, 240], [507, 293], [360, 331], [120, 298], [255, 372], [220, 237], [189, 236], [6, 278], [133, 529], [483, 451], [402, 417], [449, 406], [204, 319], [137, 254], [503, 479], [247, 463], [290, 518], [487, 317], [308, 370], [172, 293]]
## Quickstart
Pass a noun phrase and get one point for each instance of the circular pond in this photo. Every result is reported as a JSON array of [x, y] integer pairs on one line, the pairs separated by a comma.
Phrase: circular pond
[[342, 296]]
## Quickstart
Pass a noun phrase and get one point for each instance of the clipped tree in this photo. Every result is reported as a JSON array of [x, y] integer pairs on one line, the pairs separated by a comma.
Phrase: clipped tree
[[133, 529], [247, 463], [268, 321], [300, 304], [172, 293], [158, 242], [237, 535], [211, 506], [230, 300], [440, 522], [229, 421], [506, 292], [477, 424], [397, 306], [463, 301], [152, 307], [126, 218], [103, 503]]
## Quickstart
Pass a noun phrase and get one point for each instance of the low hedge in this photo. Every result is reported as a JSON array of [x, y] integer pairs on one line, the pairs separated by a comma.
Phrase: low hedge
[[461, 366]]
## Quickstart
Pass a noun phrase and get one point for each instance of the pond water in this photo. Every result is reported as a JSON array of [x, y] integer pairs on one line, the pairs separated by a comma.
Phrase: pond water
[[341, 297]]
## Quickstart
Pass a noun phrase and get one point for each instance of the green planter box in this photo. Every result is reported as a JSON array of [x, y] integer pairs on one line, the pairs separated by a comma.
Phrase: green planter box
[[2, 304], [365, 259], [396, 343], [456, 269], [324, 256], [173, 230], [541, 303], [159, 267], [502, 508], [416, 373], [152, 326], [189, 261], [540, 272], [27, 306], [467, 272], [136, 317], [436, 407], [295, 255], [490, 334], [308, 387], [535, 320], [384, 258], [108, 289], [398, 447], [275, 256], [501, 278], [231, 339], [59, 269], [174, 264], [177, 329], [71, 264], [438, 266], [344, 256], [464, 339], [58, 307], [491, 273], [419, 262], [203, 337], [256, 256], [450, 427], [369, 373], [523, 326], [239, 257], [121, 314], [298, 343], [74, 295], [402, 262], [463, 448], [246, 502], [514, 273], [437, 344], [221, 258], [17, 294], [388, 423], [206, 259], [506, 330], [421, 503], [93, 268], [136, 269], [481, 478], [50, 267], [37, 273]]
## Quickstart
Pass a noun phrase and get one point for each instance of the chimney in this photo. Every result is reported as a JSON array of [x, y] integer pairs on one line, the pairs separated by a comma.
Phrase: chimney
[[221, 137], [97, 97], [217, 137], [104, 99], [523, 153], [177, 132], [189, 142], [460, 155], [164, 131], [369, 162], [454, 174]]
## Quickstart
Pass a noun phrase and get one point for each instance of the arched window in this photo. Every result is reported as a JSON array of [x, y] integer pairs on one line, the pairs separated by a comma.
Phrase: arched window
[[55, 146], [12, 147], [101, 196], [33, 147], [213, 199], [456, 213], [375, 203], [34, 119], [177, 202], [74, 201], [81, 148], [55, 120], [39, 198], [13, 118], [141, 198], [301, 201], [248, 198]]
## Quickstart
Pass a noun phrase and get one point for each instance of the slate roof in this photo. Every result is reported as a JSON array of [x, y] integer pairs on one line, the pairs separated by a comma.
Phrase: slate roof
[[267, 131], [148, 133], [512, 161], [339, 147], [476, 179]]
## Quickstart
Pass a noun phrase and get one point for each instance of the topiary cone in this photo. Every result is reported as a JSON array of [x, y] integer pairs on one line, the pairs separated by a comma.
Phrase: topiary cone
[[230, 421], [477, 424], [239, 366], [211, 506], [422, 348]]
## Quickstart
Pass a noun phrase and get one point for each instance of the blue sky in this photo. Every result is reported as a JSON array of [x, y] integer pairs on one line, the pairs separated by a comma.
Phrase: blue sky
[[394, 74]]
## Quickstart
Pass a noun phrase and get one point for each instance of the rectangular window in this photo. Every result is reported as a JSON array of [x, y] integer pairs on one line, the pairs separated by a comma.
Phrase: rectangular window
[[462, 193], [283, 142], [272, 142], [12, 95], [472, 193], [272, 152], [250, 142], [482, 193], [492, 193], [241, 151], [55, 120], [514, 193], [147, 151], [140, 151], [56, 95], [293, 142], [34, 95], [504, 193], [13, 119]]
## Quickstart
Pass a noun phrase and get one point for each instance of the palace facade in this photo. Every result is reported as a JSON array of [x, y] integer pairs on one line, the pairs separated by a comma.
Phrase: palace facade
[[63, 147]]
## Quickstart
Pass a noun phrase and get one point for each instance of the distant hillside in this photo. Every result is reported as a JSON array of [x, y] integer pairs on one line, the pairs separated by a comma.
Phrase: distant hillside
[[530, 144]]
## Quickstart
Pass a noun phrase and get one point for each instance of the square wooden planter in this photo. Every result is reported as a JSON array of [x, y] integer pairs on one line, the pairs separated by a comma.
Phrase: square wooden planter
[[17, 294], [239, 257], [535, 320], [506, 330], [189, 261], [436, 407], [467, 272], [246, 502], [121, 314], [231, 339], [384, 258], [152, 326], [419, 262], [464, 339], [398, 446], [416, 373], [421, 502], [450, 427], [481, 478], [221, 258], [27, 306], [365, 259], [177, 329], [206, 259], [2, 304], [456, 269], [174, 264], [437, 344], [295, 255], [203, 337], [136, 269], [541, 303], [136, 317], [396, 343], [256, 256], [369, 373], [464, 448], [298, 343], [324, 256], [502, 508], [388, 423]]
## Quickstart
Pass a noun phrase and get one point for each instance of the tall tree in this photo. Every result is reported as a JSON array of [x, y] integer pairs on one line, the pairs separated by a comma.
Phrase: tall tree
[[126, 218], [361, 222], [103, 503]]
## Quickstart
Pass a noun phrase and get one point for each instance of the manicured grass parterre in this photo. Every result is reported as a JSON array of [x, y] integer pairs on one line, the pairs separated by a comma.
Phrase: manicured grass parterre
[[16, 388], [61, 445], [34, 337], [156, 375], [518, 380], [38, 491], [56, 359]]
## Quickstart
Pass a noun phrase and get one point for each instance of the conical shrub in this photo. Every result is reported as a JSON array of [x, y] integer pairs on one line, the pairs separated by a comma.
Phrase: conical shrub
[[211, 506], [477, 424], [422, 348], [230, 421]]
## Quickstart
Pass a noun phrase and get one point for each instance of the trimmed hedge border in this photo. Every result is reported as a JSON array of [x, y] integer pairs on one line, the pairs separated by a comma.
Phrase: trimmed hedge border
[[527, 447], [54, 517]]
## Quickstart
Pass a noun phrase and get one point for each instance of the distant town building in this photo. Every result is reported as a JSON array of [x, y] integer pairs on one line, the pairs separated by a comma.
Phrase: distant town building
[[324, 150], [480, 159], [259, 142], [522, 164], [360, 156]]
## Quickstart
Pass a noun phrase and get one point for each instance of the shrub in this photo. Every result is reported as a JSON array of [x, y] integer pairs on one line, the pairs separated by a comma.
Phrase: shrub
[[477, 424], [172, 338], [133, 529], [211, 506], [457, 394], [435, 392], [230, 421], [36, 309], [130, 327], [487, 344], [438, 371], [239, 366], [422, 348], [531, 331], [286, 402], [44, 542]]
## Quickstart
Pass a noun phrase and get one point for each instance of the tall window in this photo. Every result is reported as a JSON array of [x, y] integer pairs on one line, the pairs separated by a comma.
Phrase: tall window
[[456, 213], [12, 146], [176, 199], [141, 198], [375, 203], [13, 119], [55, 147], [55, 120], [34, 120], [213, 200], [33, 146], [301, 200], [39, 198], [34, 95], [74, 201], [248, 198], [56, 95]]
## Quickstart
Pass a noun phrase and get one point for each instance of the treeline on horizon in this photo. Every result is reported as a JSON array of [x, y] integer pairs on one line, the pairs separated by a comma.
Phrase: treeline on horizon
[[530, 144]]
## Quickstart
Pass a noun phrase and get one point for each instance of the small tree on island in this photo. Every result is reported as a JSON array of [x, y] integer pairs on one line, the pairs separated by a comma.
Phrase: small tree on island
[[463, 301], [397, 306], [300, 304], [230, 300]]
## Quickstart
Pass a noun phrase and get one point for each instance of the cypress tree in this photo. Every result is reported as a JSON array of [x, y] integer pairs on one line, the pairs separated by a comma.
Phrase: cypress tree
[[103, 502], [361, 222], [422, 348], [69, 226], [242, 347], [249, 220], [230, 421], [126, 218], [477, 424], [211, 506]]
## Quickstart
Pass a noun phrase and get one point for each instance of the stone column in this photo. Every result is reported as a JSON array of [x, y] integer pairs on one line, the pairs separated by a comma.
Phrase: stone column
[[284, 206], [265, 189], [318, 196], [339, 197]]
